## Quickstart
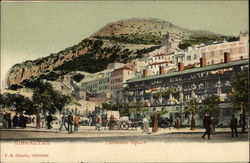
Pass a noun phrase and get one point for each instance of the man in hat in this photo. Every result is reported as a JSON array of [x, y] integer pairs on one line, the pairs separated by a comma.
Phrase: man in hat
[[63, 121], [70, 122], [233, 126], [145, 122], [49, 120], [207, 125], [98, 122]]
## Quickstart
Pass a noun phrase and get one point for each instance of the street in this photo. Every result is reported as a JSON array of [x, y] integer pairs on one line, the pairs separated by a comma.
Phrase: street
[[89, 134], [89, 145]]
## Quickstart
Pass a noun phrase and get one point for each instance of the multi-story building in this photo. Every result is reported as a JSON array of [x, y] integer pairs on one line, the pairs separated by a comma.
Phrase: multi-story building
[[120, 76], [97, 86], [214, 52], [196, 82]]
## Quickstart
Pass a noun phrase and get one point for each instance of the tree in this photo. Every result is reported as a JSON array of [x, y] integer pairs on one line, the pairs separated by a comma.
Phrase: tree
[[239, 95], [211, 105], [192, 109], [17, 102], [46, 99]]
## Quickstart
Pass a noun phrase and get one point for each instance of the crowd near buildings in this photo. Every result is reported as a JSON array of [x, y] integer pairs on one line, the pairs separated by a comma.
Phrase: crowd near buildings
[[196, 72]]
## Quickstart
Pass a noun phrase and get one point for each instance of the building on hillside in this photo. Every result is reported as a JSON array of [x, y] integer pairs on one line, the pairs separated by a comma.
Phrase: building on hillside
[[115, 65], [66, 85], [133, 65], [187, 83], [170, 42], [97, 86], [159, 68], [120, 76], [214, 53]]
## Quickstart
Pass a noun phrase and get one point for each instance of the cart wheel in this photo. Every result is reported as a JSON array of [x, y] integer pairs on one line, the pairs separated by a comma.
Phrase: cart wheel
[[124, 125]]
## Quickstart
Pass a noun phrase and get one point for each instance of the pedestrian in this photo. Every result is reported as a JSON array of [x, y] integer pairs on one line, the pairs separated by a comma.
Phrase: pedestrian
[[63, 121], [38, 120], [70, 122], [15, 121], [207, 125], [90, 121], [5, 120], [155, 121], [112, 122], [145, 122], [233, 126], [76, 122], [213, 123], [177, 122], [9, 120], [23, 120], [171, 119], [49, 120], [98, 122]]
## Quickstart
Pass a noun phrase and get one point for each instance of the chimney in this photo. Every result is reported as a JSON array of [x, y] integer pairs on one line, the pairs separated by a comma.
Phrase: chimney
[[202, 62], [145, 73], [226, 57], [180, 66], [161, 70]]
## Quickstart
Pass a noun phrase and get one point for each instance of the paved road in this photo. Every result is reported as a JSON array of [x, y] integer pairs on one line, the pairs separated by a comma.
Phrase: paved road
[[90, 135]]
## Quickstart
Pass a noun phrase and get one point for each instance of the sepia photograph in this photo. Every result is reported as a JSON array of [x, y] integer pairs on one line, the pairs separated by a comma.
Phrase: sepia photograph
[[124, 81]]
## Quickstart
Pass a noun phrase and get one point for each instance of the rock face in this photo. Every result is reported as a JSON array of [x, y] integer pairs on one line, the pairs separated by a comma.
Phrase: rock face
[[116, 42]]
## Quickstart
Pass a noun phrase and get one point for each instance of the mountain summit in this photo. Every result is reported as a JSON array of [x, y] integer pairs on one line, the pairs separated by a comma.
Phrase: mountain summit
[[116, 42]]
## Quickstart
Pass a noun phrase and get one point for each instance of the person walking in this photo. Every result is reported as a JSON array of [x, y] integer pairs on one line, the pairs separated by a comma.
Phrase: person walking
[[177, 122], [155, 121], [9, 120], [23, 120], [98, 122], [5, 120], [15, 121], [49, 120], [76, 122], [38, 120], [63, 121], [90, 121], [112, 122], [233, 126], [213, 123], [70, 122], [207, 125], [145, 122]]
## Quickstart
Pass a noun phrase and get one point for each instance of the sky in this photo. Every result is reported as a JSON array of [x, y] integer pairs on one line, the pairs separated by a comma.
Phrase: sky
[[30, 30]]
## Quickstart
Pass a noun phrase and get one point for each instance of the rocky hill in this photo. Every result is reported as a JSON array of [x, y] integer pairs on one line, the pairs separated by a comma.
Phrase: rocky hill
[[116, 42]]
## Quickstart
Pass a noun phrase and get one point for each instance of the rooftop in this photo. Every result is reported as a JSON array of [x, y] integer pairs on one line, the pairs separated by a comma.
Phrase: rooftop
[[193, 70]]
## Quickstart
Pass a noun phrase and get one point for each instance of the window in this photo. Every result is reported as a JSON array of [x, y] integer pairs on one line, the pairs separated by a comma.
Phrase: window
[[212, 53], [195, 56], [212, 61], [188, 58]]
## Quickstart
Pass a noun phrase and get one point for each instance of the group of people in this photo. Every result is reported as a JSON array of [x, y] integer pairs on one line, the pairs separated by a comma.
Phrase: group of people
[[209, 126], [17, 120], [68, 120], [99, 122]]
